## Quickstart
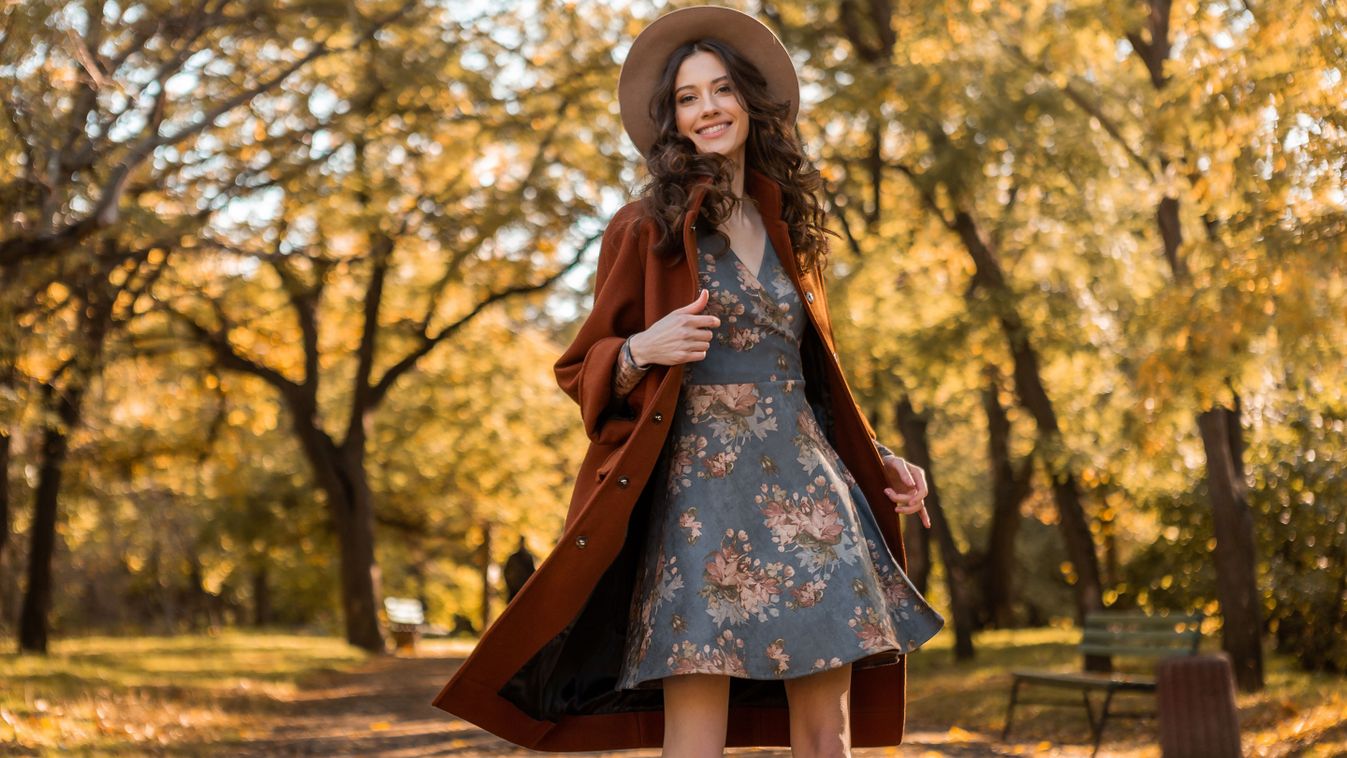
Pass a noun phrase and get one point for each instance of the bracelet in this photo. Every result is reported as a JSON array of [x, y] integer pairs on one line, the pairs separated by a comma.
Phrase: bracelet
[[626, 348]]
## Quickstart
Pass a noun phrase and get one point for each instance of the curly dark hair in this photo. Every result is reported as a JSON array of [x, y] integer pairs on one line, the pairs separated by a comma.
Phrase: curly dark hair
[[772, 148]]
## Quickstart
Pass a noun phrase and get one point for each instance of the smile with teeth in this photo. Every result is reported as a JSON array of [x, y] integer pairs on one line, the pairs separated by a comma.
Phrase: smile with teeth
[[711, 131]]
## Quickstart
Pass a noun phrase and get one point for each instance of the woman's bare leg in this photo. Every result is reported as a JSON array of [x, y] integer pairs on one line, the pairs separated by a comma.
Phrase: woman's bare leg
[[820, 714], [696, 712]]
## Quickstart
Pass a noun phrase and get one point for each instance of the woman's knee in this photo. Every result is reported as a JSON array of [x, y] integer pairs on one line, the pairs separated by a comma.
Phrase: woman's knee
[[820, 719]]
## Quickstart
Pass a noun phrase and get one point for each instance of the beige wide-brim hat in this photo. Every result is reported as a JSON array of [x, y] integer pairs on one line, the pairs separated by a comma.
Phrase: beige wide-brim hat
[[651, 49]]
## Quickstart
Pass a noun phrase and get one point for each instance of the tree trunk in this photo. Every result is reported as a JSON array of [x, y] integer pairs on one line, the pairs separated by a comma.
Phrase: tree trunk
[[1075, 528], [1219, 427], [360, 574], [1009, 489], [916, 542], [916, 449], [262, 594], [64, 394], [340, 473], [4, 497], [196, 596], [1234, 556], [168, 602], [34, 616], [917, 545], [1033, 395], [7, 384], [486, 574]]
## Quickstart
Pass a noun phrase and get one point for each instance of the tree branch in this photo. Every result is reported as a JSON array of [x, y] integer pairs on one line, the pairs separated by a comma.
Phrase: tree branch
[[228, 357], [429, 342]]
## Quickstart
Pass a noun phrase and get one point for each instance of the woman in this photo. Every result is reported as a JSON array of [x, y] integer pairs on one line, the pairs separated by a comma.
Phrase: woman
[[747, 466], [721, 563]]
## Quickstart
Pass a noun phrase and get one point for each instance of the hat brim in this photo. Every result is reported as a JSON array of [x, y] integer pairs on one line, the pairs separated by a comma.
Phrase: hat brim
[[651, 49]]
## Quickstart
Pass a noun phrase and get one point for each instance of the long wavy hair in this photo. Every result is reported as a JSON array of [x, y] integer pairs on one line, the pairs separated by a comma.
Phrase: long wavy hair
[[772, 148]]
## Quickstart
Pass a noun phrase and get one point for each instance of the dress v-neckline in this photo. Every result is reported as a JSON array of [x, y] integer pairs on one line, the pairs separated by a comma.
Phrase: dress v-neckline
[[762, 264]]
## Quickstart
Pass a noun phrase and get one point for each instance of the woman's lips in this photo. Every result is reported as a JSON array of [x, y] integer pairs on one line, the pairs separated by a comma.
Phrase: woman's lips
[[714, 131]]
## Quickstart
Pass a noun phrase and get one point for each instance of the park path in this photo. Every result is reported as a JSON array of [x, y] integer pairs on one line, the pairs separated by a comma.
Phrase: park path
[[383, 709]]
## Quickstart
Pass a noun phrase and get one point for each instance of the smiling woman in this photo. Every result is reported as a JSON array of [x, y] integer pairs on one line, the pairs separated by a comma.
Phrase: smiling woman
[[726, 558], [711, 111]]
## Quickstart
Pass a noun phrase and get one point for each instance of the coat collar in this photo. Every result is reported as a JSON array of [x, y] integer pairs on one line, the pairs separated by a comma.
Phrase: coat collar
[[762, 188], [766, 192]]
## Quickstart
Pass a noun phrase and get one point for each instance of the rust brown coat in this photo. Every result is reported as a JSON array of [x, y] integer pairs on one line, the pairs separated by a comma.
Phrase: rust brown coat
[[542, 675]]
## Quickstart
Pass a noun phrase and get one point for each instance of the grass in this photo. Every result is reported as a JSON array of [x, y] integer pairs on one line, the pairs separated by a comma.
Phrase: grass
[[146, 695], [108, 694]]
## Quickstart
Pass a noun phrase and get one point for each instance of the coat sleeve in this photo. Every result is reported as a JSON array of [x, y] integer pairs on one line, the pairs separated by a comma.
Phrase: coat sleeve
[[884, 451], [585, 369]]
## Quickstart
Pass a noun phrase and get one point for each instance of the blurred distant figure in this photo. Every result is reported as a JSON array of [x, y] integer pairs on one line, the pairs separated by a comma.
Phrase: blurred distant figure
[[462, 627], [518, 569]]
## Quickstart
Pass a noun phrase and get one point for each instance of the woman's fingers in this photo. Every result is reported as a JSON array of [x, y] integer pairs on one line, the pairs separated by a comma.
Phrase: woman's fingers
[[921, 481], [914, 507], [911, 503], [905, 473]]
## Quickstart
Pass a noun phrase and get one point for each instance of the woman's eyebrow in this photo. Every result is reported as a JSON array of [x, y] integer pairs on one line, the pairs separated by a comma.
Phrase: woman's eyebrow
[[713, 81]]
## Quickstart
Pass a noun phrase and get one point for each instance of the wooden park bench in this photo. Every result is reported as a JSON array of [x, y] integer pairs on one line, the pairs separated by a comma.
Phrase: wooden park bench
[[1117, 634], [406, 616]]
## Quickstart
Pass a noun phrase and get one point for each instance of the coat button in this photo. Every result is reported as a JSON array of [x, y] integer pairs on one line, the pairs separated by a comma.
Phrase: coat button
[[658, 417], [835, 356], [623, 481], [809, 296], [581, 541]]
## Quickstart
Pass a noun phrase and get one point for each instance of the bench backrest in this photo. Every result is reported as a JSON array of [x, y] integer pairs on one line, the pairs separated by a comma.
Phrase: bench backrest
[[1130, 633], [404, 610]]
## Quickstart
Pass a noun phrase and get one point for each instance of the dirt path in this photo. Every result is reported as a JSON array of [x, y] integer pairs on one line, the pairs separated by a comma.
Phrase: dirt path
[[383, 709]]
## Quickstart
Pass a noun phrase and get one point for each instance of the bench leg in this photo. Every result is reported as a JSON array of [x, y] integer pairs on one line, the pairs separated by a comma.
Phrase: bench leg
[[1089, 711], [1103, 719], [1010, 712]]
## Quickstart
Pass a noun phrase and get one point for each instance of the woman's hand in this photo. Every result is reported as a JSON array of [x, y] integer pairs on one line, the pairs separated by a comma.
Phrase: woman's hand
[[680, 337], [907, 487]]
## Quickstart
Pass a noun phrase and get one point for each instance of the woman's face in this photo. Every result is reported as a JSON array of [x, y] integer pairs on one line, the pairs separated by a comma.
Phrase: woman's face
[[706, 107]]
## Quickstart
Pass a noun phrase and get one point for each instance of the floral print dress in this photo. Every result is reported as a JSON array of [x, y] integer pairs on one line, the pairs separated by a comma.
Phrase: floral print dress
[[763, 559]]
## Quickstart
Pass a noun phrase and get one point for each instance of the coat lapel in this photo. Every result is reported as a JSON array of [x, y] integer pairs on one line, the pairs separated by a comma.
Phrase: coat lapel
[[767, 193]]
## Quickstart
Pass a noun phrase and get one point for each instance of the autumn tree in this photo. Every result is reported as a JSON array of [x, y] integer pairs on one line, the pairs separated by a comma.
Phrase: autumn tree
[[446, 196]]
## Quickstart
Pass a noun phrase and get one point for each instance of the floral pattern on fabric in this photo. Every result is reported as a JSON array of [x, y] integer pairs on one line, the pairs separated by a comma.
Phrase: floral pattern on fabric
[[738, 586], [762, 558]]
